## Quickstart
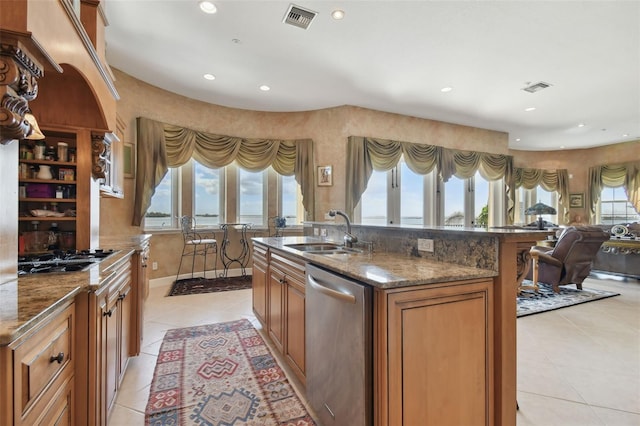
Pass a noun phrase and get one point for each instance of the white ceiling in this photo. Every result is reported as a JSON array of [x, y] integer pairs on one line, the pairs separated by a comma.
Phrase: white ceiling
[[395, 56]]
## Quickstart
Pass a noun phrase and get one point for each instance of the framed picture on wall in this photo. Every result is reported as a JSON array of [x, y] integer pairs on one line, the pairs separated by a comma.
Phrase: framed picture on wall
[[576, 201], [325, 177]]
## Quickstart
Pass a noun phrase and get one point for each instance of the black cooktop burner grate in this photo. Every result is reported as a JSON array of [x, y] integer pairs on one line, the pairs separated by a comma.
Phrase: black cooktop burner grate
[[60, 261]]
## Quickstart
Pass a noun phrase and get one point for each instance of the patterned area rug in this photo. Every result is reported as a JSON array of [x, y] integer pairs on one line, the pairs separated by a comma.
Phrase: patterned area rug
[[530, 302], [209, 285], [221, 374]]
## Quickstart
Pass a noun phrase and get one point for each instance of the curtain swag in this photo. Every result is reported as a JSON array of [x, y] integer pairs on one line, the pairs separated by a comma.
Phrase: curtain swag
[[162, 145], [367, 154], [626, 175], [549, 180]]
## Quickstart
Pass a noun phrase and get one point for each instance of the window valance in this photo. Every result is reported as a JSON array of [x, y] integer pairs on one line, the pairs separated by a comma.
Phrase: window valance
[[626, 175], [162, 145], [366, 154]]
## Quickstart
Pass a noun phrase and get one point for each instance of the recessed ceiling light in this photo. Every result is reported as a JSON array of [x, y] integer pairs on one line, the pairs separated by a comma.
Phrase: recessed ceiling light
[[265, 88], [337, 14], [446, 89], [208, 7], [209, 77], [626, 135], [581, 125], [517, 139], [561, 146], [530, 109]]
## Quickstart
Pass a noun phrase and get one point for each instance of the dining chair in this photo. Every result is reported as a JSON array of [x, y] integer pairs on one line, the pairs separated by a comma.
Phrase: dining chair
[[196, 244]]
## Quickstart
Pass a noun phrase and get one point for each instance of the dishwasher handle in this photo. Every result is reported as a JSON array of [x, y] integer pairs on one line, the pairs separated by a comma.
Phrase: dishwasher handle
[[345, 297]]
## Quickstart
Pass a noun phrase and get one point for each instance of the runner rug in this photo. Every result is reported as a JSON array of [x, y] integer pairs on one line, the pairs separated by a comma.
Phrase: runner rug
[[221, 374], [531, 302], [209, 285]]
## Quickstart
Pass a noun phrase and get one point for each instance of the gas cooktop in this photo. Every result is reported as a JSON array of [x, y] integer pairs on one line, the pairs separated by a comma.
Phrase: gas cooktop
[[61, 261]]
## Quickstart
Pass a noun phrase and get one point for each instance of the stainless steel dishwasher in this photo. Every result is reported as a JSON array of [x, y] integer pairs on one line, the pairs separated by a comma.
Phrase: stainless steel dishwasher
[[339, 360]]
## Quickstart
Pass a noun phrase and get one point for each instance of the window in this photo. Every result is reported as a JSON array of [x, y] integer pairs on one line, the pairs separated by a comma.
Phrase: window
[[163, 211], [252, 192], [290, 200], [411, 196], [454, 201], [375, 200], [615, 208], [208, 197], [481, 194], [402, 196], [467, 202], [199, 191], [525, 198]]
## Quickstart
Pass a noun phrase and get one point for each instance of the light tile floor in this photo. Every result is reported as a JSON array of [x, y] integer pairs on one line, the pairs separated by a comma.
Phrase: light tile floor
[[576, 366]]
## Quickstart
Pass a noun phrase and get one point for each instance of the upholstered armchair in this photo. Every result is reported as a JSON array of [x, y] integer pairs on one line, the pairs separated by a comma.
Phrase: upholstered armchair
[[569, 262]]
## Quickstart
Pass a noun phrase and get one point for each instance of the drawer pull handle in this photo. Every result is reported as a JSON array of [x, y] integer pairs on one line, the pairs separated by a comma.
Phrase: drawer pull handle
[[108, 313], [58, 358], [122, 296]]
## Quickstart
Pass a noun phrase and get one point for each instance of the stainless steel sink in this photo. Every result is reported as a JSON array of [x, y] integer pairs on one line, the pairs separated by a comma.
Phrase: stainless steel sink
[[323, 248]]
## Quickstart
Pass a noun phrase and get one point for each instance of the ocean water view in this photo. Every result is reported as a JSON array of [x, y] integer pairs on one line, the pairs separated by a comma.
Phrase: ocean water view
[[257, 221], [201, 221]]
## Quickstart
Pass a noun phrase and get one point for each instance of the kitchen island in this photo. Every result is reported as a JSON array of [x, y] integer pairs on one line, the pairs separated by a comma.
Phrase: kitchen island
[[444, 333]]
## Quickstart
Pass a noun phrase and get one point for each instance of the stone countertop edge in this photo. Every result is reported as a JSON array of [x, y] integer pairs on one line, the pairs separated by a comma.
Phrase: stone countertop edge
[[502, 232], [381, 270], [30, 298]]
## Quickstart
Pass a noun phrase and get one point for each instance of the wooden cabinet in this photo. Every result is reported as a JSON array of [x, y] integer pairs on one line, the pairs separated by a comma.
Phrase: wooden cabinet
[[279, 303], [259, 283], [115, 317], [293, 275], [275, 297], [140, 292], [433, 355], [38, 369], [107, 343]]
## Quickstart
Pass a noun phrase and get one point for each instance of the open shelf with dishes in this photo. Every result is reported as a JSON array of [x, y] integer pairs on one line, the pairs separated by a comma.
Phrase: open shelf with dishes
[[54, 191]]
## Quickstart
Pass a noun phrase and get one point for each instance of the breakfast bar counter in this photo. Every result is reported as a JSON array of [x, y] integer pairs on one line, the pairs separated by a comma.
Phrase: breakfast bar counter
[[462, 291], [380, 269]]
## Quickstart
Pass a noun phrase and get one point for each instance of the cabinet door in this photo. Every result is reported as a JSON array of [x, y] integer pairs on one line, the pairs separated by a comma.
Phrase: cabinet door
[[295, 325], [275, 320], [439, 355], [259, 283], [60, 412], [111, 350], [124, 331]]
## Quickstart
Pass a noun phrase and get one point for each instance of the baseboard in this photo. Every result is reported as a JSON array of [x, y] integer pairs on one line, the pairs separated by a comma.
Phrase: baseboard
[[164, 281]]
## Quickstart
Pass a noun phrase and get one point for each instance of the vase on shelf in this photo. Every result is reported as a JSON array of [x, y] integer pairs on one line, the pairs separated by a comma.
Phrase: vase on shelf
[[44, 173]]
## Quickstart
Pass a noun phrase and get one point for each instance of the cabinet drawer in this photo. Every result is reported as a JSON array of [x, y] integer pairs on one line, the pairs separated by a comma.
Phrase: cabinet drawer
[[289, 266], [40, 359]]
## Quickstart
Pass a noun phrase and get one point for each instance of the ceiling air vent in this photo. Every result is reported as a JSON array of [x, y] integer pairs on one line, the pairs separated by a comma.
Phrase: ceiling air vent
[[299, 16], [536, 87]]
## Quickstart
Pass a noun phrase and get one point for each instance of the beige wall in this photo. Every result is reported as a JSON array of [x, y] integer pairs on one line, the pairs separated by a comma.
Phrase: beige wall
[[329, 128]]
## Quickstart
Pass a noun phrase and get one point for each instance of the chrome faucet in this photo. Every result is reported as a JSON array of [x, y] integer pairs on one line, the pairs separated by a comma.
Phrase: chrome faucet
[[349, 238]]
